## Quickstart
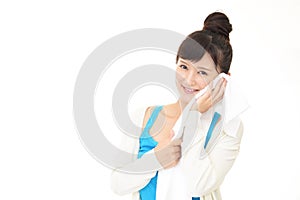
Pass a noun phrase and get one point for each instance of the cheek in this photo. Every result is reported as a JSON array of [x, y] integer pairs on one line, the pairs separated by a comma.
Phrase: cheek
[[179, 76], [202, 82]]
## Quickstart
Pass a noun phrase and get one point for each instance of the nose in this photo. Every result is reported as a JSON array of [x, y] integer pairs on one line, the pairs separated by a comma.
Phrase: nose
[[190, 78]]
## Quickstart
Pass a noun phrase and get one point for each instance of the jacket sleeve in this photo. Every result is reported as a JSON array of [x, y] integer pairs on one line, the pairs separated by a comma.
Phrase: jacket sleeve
[[134, 175], [125, 180], [206, 175]]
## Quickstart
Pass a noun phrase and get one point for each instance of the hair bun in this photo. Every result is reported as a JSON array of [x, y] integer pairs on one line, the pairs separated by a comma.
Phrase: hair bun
[[218, 22]]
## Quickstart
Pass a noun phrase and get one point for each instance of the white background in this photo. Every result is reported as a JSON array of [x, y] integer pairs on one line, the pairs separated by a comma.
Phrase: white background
[[44, 44]]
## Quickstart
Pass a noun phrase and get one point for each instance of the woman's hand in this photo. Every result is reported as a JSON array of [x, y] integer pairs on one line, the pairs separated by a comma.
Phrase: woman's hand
[[168, 152], [211, 96]]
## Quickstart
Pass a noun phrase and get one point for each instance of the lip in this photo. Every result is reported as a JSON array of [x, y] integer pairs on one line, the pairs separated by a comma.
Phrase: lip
[[188, 90]]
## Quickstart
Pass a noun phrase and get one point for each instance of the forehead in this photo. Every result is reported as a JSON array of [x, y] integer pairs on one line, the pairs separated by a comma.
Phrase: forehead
[[206, 62]]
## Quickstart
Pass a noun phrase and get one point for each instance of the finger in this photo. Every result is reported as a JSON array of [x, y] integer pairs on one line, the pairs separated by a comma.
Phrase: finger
[[176, 149], [177, 156], [171, 159], [176, 142], [211, 85], [220, 93], [206, 96], [218, 86], [173, 162], [219, 90], [223, 88], [170, 165]]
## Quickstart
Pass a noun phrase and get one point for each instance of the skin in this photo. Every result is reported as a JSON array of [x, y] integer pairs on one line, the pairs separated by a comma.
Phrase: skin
[[191, 77]]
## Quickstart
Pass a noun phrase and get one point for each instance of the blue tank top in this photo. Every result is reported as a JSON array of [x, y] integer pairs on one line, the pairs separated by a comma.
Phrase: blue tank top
[[147, 143]]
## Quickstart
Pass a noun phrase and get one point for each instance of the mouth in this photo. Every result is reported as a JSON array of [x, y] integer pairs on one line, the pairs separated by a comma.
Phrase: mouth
[[188, 90]]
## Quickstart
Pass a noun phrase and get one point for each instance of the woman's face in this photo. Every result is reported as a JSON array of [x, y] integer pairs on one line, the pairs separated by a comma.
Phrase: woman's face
[[191, 77]]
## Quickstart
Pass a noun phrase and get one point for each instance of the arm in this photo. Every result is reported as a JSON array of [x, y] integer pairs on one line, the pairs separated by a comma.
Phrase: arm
[[123, 182], [206, 175]]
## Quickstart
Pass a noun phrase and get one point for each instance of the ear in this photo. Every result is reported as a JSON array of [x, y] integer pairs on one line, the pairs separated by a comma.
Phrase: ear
[[228, 73]]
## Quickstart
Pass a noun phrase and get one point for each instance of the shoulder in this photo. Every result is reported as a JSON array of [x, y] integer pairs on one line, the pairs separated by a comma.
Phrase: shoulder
[[140, 115], [147, 113]]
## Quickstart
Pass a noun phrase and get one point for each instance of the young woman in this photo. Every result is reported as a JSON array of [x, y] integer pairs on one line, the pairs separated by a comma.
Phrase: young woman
[[201, 57]]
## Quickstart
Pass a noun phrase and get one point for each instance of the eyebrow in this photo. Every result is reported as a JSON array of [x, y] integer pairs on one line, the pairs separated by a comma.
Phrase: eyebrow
[[201, 67], [197, 67]]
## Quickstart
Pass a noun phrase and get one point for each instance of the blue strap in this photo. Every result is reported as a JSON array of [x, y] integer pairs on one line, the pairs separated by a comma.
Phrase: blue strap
[[215, 119], [153, 118], [146, 140]]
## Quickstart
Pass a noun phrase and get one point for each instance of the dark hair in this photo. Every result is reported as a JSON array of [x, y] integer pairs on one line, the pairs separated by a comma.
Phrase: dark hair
[[213, 38]]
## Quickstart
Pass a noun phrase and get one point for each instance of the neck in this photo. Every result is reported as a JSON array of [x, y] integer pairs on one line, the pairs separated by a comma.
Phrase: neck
[[183, 104]]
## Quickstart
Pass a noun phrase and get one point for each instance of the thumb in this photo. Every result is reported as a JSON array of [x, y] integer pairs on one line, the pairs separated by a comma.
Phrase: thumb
[[176, 142]]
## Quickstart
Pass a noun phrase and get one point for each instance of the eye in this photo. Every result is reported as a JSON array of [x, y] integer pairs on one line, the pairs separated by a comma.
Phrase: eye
[[183, 66], [203, 73]]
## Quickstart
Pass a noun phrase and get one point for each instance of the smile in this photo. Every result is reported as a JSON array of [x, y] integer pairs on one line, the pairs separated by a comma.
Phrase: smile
[[189, 90]]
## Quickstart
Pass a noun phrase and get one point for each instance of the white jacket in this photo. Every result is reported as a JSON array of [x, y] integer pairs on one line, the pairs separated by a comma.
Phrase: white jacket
[[203, 175]]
